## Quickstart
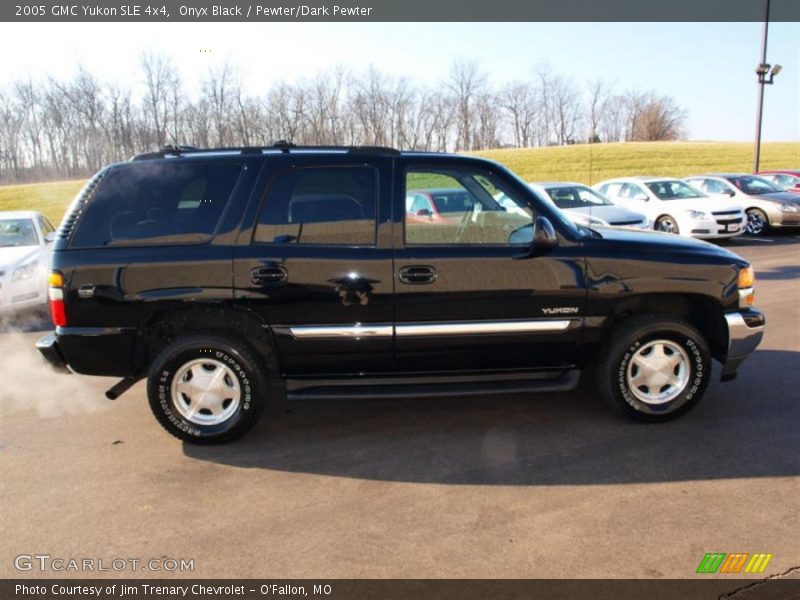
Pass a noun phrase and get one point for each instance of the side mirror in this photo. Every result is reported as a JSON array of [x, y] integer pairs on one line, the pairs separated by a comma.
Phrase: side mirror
[[641, 197], [797, 186], [544, 238], [50, 237], [729, 193], [424, 212]]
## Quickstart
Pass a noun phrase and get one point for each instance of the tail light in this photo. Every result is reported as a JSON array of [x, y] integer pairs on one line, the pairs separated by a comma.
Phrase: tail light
[[55, 293]]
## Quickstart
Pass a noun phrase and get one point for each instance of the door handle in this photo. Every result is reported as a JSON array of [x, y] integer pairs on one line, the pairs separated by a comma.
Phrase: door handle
[[86, 291], [268, 275], [417, 274]]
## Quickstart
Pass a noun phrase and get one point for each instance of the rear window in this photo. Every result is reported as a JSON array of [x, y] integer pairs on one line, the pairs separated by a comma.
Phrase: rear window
[[158, 203]]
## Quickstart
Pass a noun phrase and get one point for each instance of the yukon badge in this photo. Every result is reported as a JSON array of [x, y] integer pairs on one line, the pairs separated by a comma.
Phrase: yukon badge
[[561, 310]]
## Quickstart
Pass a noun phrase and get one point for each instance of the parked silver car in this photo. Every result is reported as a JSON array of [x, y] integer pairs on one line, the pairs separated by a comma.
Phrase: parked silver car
[[765, 203], [585, 206]]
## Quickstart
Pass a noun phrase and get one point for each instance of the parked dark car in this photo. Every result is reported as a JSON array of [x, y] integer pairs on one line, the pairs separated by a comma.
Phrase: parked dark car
[[221, 274]]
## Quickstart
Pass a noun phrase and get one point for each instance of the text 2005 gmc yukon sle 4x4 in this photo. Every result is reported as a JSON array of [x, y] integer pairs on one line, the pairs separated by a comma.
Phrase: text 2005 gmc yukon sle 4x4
[[219, 273]]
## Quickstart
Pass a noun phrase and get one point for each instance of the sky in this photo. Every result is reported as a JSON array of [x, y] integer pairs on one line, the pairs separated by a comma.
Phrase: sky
[[707, 67]]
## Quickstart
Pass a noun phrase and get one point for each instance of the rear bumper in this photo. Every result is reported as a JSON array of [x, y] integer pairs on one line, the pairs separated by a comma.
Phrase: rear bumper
[[745, 330], [89, 350], [48, 348]]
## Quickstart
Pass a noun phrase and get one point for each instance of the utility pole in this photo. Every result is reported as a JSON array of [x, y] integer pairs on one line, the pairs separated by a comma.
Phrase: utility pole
[[762, 71]]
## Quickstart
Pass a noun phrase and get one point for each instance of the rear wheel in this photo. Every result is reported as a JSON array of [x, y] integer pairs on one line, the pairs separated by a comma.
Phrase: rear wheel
[[654, 368], [757, 221], [206, 389], [667, 224]]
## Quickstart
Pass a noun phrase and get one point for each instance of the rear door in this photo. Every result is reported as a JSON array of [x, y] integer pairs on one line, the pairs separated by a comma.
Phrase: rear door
[[314, 259], [466, 299]]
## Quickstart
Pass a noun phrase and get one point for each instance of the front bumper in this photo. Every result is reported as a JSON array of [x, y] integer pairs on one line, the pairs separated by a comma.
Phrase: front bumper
[[745, 330], [48, 348], [723, 226]]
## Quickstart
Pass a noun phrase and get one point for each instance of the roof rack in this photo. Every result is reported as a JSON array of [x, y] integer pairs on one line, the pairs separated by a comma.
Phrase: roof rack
[[280, 146]]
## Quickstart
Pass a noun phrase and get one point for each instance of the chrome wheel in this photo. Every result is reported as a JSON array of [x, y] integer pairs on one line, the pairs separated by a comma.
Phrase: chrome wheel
[[667, 225], [658, 372], [755, 222], [205, 392]]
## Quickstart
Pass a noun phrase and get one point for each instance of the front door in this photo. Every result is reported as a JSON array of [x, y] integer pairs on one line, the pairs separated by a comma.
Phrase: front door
[[317, 265], [467, 299]]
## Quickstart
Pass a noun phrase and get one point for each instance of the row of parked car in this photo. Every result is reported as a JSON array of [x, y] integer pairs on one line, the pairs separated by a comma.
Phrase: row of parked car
[[710, 206]]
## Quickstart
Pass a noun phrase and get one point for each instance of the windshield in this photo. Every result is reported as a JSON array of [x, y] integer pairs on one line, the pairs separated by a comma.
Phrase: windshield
[[673, 190], [17, 232], [751, 185], [576, 196]]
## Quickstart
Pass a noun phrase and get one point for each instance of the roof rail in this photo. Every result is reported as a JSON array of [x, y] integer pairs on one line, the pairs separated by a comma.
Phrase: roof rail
[[282, 146]]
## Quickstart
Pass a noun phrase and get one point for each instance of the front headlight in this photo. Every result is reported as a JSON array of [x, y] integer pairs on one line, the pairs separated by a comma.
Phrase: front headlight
[[25, 271], [698, 214], [787, 207]]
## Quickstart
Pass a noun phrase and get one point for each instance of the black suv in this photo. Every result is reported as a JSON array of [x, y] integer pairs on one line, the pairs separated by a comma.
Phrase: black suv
[[330, 272]]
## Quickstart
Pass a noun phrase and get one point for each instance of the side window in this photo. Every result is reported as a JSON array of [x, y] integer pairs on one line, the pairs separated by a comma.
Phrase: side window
[[713, 187], [612, 190], [325, 205], [630, 190], [420, 203], [469, 207], [158, 202]]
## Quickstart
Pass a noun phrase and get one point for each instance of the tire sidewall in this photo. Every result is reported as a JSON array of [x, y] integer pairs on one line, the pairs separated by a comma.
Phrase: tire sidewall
[[699, 366], [163, 404]]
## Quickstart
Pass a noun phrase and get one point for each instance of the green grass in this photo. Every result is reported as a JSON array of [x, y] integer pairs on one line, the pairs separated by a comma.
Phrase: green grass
[[50, 199], [581, 163], [593, 163]]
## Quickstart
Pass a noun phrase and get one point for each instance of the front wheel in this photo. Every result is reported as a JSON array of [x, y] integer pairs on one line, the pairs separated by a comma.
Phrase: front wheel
[[206, 389], [757, 221], [654, 368], [667, 224]]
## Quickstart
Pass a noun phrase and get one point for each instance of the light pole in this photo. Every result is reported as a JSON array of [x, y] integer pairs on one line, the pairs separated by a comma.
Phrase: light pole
[[762, 70]]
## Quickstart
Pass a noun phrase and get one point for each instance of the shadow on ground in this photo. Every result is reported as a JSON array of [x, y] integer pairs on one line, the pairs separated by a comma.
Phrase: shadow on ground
[[746, 428]]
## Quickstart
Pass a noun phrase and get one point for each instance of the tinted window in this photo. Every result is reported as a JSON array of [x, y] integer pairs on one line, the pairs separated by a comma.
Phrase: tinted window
[[157, 202], [330, 205], [470, 208], [750, 184]]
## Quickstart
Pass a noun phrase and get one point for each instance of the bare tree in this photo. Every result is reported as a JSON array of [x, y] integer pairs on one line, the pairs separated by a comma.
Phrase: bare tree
[[465, 83], [161, 92], [599, 95]]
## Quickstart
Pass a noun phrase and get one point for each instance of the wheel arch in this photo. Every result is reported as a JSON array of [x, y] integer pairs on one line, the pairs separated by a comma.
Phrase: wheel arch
[[163, 326], [704, 313]]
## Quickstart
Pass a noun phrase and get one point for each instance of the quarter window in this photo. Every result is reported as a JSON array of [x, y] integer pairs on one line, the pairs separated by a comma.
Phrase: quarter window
[[329, 205], [157, 202]]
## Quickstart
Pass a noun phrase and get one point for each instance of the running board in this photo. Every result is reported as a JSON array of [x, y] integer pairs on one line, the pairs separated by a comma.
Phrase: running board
[[559, 381]]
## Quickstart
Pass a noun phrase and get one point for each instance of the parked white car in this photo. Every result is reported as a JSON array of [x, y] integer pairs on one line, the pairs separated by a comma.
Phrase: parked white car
[[25, 246], [585, 206], [764, 203], [673, 206]]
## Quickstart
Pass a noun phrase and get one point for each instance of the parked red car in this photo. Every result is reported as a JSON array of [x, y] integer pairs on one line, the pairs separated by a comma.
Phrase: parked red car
[[788, 179]]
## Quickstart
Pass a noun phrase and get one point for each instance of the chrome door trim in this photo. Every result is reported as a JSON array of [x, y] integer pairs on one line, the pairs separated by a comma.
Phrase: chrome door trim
[[341, 331], [360, 330], [473, 328]]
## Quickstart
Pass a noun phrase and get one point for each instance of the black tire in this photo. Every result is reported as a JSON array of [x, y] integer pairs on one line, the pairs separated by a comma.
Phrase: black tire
[[667, 224], [229, 358], [636, 334], [757, 222]]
